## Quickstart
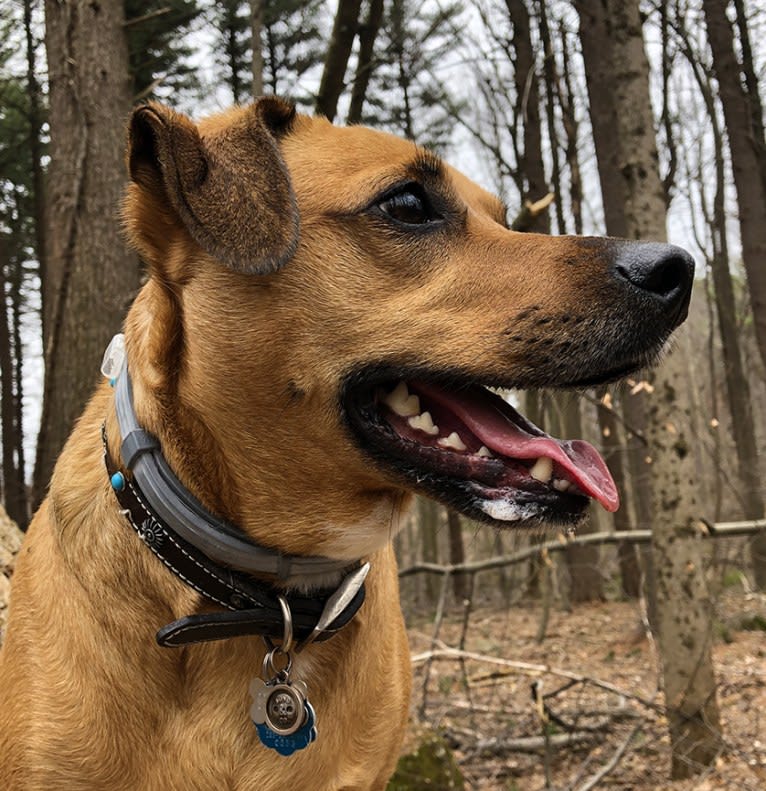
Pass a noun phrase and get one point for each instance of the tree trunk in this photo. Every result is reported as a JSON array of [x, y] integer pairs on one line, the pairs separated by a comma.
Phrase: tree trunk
[[256, 28], [21, 506], [551, 80], [755, 105], [428, 512], [90, 277], [530, 164], [457, 554], [613, 444], [365, 64], [334, 73], [229, 35], [14, 493], [532, 184], [684, 614], [585, 580], [746, 160], [568, 100], [36, 150], [595, 38], [599, 76]]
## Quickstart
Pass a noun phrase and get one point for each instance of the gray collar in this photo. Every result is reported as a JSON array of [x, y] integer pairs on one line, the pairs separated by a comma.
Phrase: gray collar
[[218, 539]]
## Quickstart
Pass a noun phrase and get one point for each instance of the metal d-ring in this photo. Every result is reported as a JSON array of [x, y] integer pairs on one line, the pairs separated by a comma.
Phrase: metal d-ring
[[287, 620]]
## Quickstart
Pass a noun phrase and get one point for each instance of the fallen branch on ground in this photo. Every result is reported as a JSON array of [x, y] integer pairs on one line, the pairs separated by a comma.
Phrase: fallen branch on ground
[[532, 669], [497, 745], [609, 766]]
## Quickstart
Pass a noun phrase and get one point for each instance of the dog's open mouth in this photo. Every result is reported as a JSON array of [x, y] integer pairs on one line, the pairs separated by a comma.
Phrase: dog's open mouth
[[471, 449]]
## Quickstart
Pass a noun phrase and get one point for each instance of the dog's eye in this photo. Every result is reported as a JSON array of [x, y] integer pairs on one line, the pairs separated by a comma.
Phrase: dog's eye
[[410, 207]]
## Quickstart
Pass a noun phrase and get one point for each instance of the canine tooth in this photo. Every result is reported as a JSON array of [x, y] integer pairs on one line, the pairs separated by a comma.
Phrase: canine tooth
[[400, 401], [485, 452], [560, 485], [542, 470], [453, 441], [424, 423]]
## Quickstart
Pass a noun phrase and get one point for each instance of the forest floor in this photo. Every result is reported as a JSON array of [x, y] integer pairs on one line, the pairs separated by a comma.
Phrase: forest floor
[[488, 716]]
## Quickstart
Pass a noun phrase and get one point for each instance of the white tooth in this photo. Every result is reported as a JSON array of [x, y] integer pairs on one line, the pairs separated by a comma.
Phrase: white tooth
[[542, 470], [400, 401], [424, 423], [485, 451], [560, 485], [453, 441]]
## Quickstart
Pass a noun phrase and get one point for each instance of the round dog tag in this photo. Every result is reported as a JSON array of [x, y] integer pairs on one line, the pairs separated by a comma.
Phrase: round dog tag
[[285, 711]]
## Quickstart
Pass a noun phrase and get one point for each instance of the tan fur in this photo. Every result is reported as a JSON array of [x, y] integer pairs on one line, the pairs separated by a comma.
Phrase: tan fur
[[238, 375]]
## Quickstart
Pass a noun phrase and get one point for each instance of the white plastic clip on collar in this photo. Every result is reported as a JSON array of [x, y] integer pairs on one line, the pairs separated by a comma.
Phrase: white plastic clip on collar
[[114, 358]]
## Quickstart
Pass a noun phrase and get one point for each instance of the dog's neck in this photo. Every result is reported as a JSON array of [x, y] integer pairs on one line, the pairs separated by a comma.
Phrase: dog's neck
[[210, 555], [174, 505]]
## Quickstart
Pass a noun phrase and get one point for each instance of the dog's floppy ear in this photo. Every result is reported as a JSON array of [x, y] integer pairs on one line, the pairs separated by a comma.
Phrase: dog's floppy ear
[[230, 188]]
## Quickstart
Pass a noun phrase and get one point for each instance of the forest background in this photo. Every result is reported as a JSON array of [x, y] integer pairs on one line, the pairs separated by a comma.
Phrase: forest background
[[635, 119]]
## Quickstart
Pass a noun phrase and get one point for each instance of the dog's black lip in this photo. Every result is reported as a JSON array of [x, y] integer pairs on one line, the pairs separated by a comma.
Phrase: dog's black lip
[[613, 375], [374, 437]]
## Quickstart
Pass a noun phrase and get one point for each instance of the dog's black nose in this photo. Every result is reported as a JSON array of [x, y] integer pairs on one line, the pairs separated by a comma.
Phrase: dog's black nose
[[662, 271]]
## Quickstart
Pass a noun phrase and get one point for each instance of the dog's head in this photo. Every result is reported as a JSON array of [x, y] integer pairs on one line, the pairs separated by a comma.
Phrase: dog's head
[[326, 308]]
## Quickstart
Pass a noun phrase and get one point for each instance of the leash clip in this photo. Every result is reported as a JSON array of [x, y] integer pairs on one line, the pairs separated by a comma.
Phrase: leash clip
[[337, 603]]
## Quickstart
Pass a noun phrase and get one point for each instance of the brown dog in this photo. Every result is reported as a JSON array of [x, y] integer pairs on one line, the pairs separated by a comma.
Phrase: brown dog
[[299, 273]]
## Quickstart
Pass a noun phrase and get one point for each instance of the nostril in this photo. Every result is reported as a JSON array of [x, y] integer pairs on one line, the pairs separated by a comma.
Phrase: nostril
[[663, 279], [665, 271]]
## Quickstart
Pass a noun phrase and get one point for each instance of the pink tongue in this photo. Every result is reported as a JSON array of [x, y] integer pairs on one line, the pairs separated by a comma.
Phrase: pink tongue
[[496, 424]]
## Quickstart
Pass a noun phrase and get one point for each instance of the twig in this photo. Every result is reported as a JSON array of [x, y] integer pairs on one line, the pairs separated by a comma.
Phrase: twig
[[532, 744], [597, 777], [530, 211], [467, 607], [137, 20], [633, 432]]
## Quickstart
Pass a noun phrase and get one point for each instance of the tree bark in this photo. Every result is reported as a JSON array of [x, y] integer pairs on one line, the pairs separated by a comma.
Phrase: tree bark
[[596, 44], [428, 513], [746, 159], [531, 182], [567, 100], [334, 73], [457, 555], [365, 64], [684, 615], [596, 41], [229, 35], [530, 163], [14, 493], [755, 104], [36, 150], [551, 80], [90, 276]]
